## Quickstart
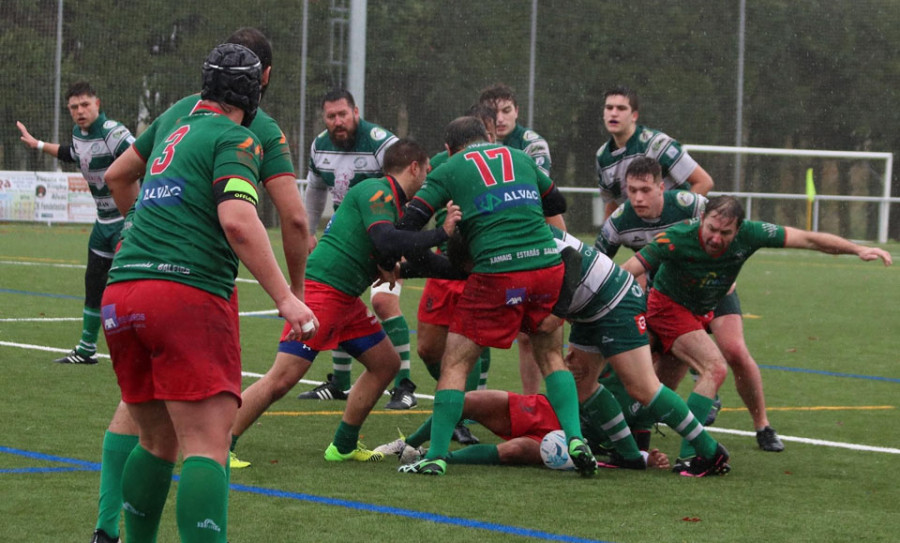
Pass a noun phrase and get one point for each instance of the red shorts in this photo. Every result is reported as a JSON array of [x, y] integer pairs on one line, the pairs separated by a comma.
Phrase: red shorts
[[669, 319], [531, 416], [495, 307], [341, 317], [439, 300], [170, 341]]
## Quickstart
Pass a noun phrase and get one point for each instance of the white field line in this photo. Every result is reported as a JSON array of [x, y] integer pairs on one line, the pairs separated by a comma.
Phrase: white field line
[[808, 441], [68, 319], [78, 266]]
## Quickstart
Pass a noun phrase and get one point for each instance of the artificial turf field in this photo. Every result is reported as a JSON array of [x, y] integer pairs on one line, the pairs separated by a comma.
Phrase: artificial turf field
[[821, 327]]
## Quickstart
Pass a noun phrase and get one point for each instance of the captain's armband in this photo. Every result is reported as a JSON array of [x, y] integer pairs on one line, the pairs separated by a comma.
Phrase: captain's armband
[[235, 188]]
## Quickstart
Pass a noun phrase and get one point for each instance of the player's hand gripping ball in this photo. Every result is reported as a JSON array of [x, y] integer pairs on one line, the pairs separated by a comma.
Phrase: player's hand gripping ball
[[555, 451]]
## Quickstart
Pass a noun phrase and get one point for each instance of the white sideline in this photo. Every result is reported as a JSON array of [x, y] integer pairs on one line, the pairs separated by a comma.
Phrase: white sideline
[[806, 440]]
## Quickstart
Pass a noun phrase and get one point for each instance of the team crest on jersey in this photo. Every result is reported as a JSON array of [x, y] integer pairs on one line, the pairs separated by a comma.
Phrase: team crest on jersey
[[645, 136], [378, 133], [109, 124], [530, 135], [618, 212], [684, 198]]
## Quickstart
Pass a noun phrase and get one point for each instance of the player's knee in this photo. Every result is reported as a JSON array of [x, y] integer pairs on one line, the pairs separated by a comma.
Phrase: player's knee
[[718, 372], [429, 352]]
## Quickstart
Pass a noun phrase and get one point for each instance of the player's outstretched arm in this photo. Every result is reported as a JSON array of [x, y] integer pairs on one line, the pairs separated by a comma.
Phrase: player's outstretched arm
[[122, 178], [832, 244], [51, 149]]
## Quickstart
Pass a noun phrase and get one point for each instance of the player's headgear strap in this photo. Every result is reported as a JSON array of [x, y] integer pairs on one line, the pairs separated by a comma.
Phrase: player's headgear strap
[[232, 74]]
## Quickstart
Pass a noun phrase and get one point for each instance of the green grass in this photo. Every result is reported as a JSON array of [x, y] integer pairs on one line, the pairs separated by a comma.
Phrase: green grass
[[827, 316]]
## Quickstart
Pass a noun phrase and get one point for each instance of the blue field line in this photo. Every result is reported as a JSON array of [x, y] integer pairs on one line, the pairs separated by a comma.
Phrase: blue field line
[[831, 373], [43, 470], [418, 515], [82, 465], [43, 294]]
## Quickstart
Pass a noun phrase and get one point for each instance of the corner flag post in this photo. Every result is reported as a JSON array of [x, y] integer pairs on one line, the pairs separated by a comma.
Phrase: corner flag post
[[810, 197]]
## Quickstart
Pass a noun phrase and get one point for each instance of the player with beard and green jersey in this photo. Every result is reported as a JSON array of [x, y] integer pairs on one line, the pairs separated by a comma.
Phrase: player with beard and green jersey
[[348, 151], [650, 210], [609, 326], [170, 312], [515, 279], [694, 266], [96, 142], [629, 141]]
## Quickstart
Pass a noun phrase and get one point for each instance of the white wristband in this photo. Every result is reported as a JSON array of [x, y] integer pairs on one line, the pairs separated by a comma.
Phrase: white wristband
[[40, 145], [307, 326]]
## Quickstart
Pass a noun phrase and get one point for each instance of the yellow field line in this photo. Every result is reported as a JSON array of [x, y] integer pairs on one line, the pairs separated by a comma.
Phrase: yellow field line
[[723, 410]]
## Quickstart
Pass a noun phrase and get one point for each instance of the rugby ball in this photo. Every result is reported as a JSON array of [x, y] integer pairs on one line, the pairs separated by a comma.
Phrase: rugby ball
[[555, 451]]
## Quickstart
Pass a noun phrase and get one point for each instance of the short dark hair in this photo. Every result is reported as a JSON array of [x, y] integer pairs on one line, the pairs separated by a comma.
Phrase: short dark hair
[[339, 94], [462, 131], [644, 166], [622, 90], [727, 207], [499, 91], [484, 111], [254, 40], [80, 88], [403, 153]]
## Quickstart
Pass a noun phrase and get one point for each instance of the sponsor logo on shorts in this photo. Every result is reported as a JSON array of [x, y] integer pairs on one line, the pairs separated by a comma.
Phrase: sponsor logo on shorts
[[108, 315], [641, 322], [515, 296]]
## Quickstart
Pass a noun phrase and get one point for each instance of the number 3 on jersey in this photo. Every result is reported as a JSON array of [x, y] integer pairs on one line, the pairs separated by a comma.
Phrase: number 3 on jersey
[[487, 176], [162, 162]]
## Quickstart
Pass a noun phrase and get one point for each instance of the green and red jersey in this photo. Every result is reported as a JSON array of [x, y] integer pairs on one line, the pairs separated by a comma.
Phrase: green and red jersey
[[276, 158], [683, 271], [499, 191], [345, 257], [174, 233]]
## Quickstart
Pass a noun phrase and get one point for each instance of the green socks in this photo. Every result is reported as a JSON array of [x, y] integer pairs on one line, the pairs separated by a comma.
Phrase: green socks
[[397, 331], [341, 363], [564, 398], [421, 435], [475, 454], [448, 406], [668, 407], [90, 330], [346, 437], [485, 360], [201, 509], [145, 485], [116, 449], [604, 414]]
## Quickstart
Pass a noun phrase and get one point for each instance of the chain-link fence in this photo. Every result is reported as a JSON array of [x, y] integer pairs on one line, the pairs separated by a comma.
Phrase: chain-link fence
[[820, 75]]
